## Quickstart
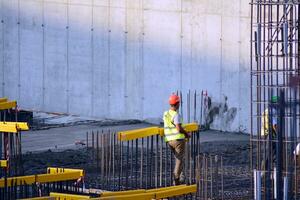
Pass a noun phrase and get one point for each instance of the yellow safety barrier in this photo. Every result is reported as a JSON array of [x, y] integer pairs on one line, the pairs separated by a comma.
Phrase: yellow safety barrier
[[13, 127], [8, 105], [42, 178], [3, 163], [146, 132]]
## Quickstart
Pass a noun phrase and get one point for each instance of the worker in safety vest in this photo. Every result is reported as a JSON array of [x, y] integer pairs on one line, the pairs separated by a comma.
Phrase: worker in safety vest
[[267, 126], [265, 120], [175, 137]]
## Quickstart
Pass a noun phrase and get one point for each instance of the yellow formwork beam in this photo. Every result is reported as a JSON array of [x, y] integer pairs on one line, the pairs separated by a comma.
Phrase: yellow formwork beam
[[46, 178], [176, 192], [157, 193], [13, 127], [128, 192], [138, 133], [141, 196], [61, 196], [8, 105], [165, 188], [3, 163], [41, 198], [59, 170], [41, 178], [146, 132], [4, 99], [192, 127], [139, 191]]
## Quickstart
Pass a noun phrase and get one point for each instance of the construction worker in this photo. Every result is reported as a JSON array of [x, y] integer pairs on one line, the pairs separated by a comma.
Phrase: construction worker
[[265, 129], [175, 137]]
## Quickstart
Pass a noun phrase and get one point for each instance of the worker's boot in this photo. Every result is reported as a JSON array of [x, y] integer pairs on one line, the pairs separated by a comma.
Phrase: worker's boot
[[182, 179], [176, 181]]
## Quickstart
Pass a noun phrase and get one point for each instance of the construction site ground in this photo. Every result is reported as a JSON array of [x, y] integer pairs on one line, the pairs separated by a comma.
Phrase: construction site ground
[[64, 145]]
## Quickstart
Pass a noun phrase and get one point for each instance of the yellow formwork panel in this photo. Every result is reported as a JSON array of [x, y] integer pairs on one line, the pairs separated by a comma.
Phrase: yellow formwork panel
[[146, 132], [61, 196], [176, 192], [8, 105], [13, 127], [3, 163], [4, 99], [59, 170]]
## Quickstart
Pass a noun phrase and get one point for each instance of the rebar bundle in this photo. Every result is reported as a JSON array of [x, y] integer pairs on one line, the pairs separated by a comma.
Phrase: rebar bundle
[[141, 163], [275, 98]]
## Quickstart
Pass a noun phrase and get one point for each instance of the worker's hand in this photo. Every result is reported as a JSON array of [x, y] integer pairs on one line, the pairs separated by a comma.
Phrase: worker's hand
[[188, 135]]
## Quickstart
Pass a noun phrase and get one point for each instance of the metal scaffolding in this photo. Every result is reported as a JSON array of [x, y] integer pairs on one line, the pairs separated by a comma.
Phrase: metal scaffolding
[[275, 96]]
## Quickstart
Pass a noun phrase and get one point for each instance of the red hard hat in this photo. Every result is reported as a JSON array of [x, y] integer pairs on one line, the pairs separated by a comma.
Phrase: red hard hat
[[174, 99]]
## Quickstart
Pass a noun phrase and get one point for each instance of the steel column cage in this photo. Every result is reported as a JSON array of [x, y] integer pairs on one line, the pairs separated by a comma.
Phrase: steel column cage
[[275, 71]]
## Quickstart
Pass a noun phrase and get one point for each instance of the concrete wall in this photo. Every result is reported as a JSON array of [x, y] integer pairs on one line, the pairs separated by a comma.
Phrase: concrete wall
[[123, 58]]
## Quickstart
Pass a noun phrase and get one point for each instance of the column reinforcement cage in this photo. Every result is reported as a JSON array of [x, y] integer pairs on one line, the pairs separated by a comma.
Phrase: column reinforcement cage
[[275, 96]]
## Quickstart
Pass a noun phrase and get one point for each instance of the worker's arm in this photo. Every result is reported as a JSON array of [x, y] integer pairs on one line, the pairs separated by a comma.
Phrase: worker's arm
[[181, 130], [177, 123]]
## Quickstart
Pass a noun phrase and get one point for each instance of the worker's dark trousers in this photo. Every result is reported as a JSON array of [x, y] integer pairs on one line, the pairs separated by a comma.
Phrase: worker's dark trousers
[[271, 157], [178, 149]]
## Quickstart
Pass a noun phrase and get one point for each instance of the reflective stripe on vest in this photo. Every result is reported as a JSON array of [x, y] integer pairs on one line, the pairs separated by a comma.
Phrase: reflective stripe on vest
[[170, 130]]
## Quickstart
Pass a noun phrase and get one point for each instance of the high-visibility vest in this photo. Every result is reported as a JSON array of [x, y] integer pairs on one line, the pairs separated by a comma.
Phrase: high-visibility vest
[[170, 130], [265, 122]]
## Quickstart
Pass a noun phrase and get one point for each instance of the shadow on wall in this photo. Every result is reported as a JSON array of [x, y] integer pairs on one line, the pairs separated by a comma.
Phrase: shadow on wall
[[219, 113], [87, 61]]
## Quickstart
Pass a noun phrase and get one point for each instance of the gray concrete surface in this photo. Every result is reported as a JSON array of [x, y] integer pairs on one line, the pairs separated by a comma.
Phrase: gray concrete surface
[[57, 139], [122, 59], [65, 137]]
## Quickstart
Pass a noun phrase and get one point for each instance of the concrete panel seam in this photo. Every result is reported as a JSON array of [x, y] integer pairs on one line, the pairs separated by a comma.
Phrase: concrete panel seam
[[92, 59], [19, 54], [68, 64], [2, 24]]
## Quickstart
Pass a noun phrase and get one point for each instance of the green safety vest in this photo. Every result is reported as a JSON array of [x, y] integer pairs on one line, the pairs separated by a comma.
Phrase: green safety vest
[[170, 130]]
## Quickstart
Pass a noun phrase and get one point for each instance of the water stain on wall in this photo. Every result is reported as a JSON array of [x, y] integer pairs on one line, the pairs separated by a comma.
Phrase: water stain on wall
[[219, 111]]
